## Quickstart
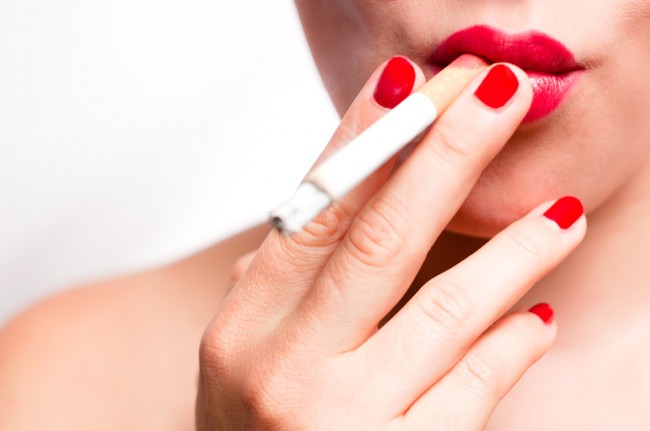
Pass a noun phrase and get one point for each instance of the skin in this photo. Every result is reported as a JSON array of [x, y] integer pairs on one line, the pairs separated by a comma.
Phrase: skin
[[599, 292], [106, 362], [599, 136]]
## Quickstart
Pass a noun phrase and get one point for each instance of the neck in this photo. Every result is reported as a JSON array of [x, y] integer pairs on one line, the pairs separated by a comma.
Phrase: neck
[[602, 287]]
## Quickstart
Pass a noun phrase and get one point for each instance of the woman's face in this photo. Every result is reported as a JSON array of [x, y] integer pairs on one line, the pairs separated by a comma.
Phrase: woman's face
[[590, 146]]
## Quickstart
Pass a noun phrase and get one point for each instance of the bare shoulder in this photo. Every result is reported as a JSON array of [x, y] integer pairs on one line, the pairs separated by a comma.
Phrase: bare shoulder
[[120, 354]]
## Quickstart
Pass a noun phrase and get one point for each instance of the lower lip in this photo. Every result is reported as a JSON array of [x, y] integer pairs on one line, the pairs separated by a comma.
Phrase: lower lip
[[549, 91]]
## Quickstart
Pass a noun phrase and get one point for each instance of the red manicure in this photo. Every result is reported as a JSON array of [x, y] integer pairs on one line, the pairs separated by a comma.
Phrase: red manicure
[[565, 211], [543, 311], [498, 87], [396, 82]]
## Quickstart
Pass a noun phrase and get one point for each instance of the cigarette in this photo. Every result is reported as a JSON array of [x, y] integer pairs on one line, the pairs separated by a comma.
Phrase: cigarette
[[354, 162]]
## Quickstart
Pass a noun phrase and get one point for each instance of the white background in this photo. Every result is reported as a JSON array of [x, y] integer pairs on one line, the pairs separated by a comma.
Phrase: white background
[[134, 132]]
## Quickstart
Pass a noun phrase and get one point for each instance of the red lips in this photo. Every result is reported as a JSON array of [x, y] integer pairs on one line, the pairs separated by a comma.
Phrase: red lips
[[551, 67]]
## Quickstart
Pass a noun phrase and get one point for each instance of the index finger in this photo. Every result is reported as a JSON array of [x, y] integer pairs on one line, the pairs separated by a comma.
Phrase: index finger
[[286, 266]]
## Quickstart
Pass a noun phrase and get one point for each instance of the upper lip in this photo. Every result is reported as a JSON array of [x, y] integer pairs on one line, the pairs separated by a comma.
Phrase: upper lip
[[531, 50]]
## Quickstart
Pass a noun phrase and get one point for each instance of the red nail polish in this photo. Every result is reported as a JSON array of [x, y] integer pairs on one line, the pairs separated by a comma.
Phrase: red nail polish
[[396, 82], [565, 211], [498, 87], [543, 311]]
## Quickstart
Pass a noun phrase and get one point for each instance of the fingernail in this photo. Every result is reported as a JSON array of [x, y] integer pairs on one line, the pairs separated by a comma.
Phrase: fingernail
[[498, 87], [565, 212], [396, 82], [543, 311]]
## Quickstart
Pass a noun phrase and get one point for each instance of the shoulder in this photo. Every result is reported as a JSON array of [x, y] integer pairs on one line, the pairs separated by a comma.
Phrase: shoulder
[[121, 354]]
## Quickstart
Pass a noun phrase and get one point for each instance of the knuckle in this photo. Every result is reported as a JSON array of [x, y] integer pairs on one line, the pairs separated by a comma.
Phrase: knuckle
[[447, 144], [260, 396], [528, 245], [216, 353], [527, 337], [274, 388], [221, 346], [337, 281], [483, 374], [446, 304], [240, 267], [377, 236], [263, 379], [326, 229]]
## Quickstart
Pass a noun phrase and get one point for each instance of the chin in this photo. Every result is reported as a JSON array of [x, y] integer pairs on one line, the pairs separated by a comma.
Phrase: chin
[[528, 171], [481, 220], [498, 200]]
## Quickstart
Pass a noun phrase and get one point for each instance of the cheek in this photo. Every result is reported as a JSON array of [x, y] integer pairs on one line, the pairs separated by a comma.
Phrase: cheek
[[336, 33], [633, 49], [627, 91], [350, 38]]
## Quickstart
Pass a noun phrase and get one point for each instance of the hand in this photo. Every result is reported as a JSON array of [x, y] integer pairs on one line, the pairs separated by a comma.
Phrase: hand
[[296, 344]]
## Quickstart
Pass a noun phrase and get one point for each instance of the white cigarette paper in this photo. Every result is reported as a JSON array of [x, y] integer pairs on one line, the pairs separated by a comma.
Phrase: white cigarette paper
[[354, 162]]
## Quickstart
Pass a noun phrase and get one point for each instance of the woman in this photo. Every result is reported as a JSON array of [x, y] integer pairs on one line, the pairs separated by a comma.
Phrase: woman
[[306, 339]]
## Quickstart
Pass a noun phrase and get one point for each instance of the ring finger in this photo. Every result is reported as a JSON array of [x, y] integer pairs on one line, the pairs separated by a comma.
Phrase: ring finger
[[451, 311]]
